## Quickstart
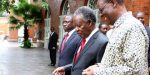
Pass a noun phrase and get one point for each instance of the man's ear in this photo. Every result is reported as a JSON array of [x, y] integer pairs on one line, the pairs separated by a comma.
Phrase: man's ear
[[90, 23]]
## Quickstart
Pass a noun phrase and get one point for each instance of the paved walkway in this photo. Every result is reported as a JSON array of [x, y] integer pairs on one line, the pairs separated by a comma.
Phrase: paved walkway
[[20, 61]]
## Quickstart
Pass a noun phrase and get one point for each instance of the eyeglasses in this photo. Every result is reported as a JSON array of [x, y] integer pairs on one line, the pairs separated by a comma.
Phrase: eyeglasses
[[101, 9]]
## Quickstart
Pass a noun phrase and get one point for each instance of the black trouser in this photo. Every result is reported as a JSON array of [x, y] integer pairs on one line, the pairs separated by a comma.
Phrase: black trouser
[[53, 56], [68, 72]]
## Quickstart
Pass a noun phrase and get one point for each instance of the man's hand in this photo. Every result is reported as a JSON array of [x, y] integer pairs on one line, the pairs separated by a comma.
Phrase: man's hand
[[59, 71], [149, 69], [89, 70]]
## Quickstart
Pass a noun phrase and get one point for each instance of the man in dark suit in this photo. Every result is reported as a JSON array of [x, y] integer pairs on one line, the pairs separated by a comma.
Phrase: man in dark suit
[[103, 27], [69, 44], [52, 46], [92, 45], [140, 16]]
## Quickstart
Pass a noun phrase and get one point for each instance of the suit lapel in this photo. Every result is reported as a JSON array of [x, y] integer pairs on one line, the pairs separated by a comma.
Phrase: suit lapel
[[70, 38], [88, 44], [61, 46], [68, 41], [52, 34]]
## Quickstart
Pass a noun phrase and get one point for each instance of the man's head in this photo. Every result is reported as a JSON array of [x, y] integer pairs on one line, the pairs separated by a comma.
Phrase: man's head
[[104, 19], [52, 29], [112, 9], [103, 28], [84, 19], [140, 16], [67, 23]]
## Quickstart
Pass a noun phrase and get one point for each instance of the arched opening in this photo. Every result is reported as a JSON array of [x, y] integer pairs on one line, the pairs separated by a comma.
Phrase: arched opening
[[92, 4], [66, 8]]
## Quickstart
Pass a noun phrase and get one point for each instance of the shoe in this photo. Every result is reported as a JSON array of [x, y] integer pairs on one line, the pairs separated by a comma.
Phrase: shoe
[[52, 64]]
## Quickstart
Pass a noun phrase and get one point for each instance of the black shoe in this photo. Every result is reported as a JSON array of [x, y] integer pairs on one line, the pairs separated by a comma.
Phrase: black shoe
[[52, 64]]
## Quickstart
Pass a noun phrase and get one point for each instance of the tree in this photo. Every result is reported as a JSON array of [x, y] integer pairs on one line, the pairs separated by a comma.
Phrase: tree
[[46, 7], [4, 5], [28, 14]]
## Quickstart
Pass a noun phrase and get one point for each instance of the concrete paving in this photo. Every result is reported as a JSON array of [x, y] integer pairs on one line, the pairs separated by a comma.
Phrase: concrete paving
[[19, 61]]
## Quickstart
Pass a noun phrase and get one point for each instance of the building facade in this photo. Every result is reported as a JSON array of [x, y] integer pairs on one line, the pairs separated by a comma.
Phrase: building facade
[[61, 7]]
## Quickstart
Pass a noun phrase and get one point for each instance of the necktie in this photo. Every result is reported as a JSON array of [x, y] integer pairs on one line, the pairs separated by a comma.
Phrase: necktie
[[51, 33], [64, 41], [80, 50]]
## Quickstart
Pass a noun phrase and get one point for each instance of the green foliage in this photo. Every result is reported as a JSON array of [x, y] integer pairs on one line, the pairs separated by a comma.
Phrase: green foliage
[[45, 5], [4, 5], [26, 44], [22, 1], [29, 13], [13, 20]]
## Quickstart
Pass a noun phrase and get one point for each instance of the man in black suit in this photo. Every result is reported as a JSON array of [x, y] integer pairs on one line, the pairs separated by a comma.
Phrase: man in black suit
[[52, 46], [69, 44], [140, 16], [103, 27], [92, 45]]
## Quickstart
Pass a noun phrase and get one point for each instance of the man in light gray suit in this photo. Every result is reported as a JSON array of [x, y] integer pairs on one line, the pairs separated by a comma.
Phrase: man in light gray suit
[[92, 45]]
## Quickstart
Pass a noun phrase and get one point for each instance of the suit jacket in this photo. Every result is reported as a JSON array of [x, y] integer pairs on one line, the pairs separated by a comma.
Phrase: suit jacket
[[92, 52], [70, 47], [53, 41], [148, 32]]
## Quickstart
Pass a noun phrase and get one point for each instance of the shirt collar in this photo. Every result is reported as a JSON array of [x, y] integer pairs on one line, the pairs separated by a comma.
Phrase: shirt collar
[[70, 33], [52, 33], [92, 33], [121, 19]]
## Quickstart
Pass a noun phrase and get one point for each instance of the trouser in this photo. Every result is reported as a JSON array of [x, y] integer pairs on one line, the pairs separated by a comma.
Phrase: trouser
[[68, 72], [53, 56]]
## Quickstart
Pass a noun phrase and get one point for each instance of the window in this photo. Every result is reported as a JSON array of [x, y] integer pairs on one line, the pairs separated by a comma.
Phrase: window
[[66, 8], [92, 4]]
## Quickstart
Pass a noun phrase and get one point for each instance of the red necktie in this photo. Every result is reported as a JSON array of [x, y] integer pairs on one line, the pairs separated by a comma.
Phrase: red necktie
[[80, 50], [64, 41]]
